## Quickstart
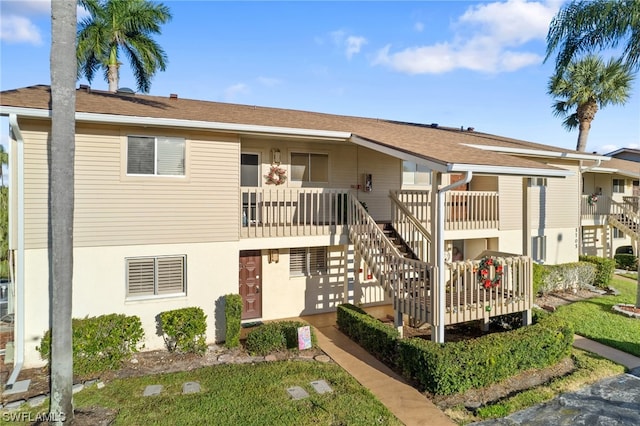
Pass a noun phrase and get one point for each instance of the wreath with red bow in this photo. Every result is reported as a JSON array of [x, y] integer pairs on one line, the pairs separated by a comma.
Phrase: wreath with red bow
[[276, 176], [484, 272]]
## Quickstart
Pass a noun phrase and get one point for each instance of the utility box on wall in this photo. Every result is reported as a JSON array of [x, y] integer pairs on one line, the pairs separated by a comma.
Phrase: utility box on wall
[[368, 183]]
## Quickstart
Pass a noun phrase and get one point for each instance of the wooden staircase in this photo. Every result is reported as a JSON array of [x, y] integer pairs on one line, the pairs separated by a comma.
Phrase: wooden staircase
[[624, 217]]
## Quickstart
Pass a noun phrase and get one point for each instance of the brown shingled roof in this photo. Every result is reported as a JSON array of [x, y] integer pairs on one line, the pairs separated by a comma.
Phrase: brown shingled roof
[[441, 145]]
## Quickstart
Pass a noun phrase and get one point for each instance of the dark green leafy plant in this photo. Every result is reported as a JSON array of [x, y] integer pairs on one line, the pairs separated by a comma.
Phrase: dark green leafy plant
[[604, 271], [276, 336], [100, 343], [233, 317], [184, 330]]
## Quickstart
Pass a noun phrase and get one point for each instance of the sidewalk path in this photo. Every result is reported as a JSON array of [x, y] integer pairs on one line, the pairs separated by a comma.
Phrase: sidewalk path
[[404, 401]]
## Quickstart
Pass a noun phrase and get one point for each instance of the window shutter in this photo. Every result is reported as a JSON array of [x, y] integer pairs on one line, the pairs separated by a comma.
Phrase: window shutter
[[318, 260], [298, 261], [170, 275], [140, 277], [170, 156], [140, 155]]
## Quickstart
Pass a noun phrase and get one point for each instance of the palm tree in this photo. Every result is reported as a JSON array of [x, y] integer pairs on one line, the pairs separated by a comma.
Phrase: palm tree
[[582, 26], [61, 198], [116, 26], [586, 85]]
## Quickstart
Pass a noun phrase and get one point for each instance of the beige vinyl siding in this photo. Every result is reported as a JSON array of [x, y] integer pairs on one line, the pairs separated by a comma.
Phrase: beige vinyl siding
[[510, 190], [112, 208], [561, 198]]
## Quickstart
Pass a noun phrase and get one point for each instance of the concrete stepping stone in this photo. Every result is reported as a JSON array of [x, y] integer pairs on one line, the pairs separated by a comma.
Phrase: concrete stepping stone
[[152, 390], [321, 386], [190, 387], [18, 387], [297, 392]]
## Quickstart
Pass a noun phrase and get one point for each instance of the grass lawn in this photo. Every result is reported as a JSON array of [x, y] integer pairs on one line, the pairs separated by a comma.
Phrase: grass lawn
[[594, 318], [241, 394]]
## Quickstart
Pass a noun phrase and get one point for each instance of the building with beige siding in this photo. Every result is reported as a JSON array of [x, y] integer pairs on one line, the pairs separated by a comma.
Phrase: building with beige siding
[[179, 202]]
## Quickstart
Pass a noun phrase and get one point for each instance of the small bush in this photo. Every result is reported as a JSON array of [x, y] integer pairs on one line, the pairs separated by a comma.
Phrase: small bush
[[184, 330], [539, 275], [626, 261], [604, 271], [233, 317], [566, 276], [276, 336], [99, 343]]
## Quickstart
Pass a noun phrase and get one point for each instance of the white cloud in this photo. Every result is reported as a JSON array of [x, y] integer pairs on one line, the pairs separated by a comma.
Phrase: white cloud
[[18, 29], [350, 43], [269, 82], [486, 38], [231, 92]]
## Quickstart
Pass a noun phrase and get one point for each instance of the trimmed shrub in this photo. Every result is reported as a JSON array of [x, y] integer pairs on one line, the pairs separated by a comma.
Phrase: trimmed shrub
[[99, 343], [184, 330], [626, 261], [376, 337], [566, 276], [233, 318], [539, 274], [455, 367], [604, 271], [276, 336]]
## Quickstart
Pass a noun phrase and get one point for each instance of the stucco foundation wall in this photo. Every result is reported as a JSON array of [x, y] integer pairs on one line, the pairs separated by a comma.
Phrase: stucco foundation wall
[[100, 287]]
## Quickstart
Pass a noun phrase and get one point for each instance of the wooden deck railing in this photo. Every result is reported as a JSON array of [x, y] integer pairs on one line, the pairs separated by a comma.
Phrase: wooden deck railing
[[464, 210], [288, 212], [595, 207], [410, 229], [468, 300], [622, 216], [633, 201]]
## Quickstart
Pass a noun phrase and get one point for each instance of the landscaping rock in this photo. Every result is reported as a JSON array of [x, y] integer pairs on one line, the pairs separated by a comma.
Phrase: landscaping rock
[[77, 388], [270, 358], [226, 358], [37, 401]]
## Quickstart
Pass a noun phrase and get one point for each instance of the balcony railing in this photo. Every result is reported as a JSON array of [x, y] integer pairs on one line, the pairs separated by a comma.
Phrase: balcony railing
[[288, 212], [464, 210], [595, 207]]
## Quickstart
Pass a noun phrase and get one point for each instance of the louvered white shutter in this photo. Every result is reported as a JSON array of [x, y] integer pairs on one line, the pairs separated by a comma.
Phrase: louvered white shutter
[[318, 260], [140, 277], [298, 262], [170, 275]]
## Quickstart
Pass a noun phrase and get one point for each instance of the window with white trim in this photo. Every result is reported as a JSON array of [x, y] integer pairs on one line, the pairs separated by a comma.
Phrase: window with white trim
[[156, 276], [617, 233], [157, 156], [618, 186], [537, 181], [415, 174], [307, 167], [307, 261]]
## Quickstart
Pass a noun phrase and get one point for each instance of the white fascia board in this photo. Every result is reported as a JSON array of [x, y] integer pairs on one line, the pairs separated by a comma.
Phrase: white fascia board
[[540, 153], [191, 124], [506, 170], [613, 171], [403, 155]]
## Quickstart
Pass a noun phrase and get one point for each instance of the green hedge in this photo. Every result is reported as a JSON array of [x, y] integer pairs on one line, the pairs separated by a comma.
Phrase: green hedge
[[626, 261], [99, 343], [540, 273], [276, 336], [564, 277], [455, 367], [233, 318], [376, 337], [185, 329], [604, 271]]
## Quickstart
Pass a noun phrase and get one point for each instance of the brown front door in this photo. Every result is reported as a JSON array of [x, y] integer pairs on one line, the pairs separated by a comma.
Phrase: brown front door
[[251, 284]]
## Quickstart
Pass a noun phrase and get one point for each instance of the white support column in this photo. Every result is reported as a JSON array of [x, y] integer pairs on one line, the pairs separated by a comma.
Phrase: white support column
[[526, 223], [345, 296], [436, 179]]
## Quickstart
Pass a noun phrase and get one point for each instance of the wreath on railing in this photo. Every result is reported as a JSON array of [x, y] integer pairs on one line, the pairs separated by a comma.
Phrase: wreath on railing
[[276, 176], [593, 198], [484, 272]]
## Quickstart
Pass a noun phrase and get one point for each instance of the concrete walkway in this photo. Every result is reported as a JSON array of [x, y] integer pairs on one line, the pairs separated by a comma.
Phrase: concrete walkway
[[404, 401]]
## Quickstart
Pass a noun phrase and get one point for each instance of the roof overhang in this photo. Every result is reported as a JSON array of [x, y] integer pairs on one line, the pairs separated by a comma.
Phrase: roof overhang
[[460, 167], [540, 152], [247, 129], [609, 171]]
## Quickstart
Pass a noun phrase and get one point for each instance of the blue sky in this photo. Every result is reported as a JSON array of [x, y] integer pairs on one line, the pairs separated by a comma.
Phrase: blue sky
[[457, 63]]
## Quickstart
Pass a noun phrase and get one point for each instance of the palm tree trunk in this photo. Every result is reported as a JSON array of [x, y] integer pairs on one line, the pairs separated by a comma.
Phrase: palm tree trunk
[[61, 198], [112, 76], [583, 135]]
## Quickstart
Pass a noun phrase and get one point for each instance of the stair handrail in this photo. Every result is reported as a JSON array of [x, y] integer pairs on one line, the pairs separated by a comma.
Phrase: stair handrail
[[421, 250], [631, 216]]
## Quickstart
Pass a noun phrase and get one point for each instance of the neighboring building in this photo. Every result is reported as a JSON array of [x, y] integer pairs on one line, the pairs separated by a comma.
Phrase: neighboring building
[[171, 194]]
